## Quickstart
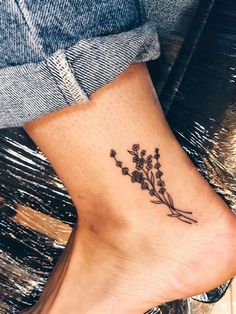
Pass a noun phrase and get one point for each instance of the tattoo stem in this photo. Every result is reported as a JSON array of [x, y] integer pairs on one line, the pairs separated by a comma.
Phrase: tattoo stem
[[163, 197]]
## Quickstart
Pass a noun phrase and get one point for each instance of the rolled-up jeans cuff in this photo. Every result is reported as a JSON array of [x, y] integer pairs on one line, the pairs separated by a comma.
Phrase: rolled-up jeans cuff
[[96, 61], [71, 75]]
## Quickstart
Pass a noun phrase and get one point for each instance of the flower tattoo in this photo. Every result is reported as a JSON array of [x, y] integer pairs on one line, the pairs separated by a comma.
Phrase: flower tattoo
[[148, 174]]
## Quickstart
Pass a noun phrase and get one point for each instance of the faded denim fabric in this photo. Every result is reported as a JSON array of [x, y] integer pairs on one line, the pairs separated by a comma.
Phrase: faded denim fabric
[[56, 53]]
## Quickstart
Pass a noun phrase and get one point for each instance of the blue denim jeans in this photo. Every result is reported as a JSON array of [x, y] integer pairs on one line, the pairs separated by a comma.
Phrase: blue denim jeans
[[56, 53]]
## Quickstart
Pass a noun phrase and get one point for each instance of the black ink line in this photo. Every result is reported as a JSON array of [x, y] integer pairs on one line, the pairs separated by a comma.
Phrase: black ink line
[[152, 180]]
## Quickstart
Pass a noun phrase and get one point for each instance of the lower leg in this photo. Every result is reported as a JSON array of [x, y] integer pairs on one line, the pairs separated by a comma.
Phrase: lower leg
[[132, 255]]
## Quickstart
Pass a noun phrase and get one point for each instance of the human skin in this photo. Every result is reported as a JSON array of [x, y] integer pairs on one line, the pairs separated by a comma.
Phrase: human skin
[[127, 255]]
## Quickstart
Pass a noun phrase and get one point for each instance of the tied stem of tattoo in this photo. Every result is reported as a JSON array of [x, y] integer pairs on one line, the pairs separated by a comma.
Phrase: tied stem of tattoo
[[149, 176]]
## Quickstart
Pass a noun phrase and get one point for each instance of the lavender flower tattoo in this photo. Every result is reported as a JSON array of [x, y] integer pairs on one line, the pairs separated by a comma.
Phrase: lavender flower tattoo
[[149, 176]]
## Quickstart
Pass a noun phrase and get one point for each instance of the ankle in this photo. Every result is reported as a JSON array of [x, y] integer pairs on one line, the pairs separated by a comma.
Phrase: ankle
[[120, 224]]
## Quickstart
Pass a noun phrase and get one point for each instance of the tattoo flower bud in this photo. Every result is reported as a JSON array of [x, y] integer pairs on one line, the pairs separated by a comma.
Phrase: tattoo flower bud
[[119, 163], [157, 165], [149, 166], [156, 150], [140, 179], [161, 183], [139, 166], [159, 174], [135, 173], [142, 160], [143, 152], [125, 171], [135, 176], [162, 190], [135, 159], [152, 192], [113, 153], [156, 156], [136, 147], [144, 186]]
